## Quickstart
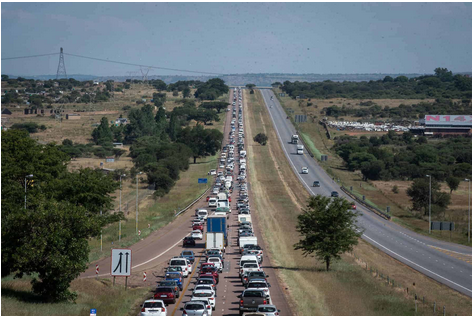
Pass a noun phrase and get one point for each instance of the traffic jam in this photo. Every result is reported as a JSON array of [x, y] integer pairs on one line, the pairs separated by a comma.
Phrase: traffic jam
[[222, 248]]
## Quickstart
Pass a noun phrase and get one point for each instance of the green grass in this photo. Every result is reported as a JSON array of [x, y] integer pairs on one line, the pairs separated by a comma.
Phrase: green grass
[[18, 300], [311, 145]]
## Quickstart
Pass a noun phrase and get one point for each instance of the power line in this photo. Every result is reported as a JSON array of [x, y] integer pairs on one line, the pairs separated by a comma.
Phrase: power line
[[25, 57], [141, 65]]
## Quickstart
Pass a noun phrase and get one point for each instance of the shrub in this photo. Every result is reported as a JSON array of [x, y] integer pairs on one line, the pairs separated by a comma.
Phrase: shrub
[[261, 139], [395, 189]]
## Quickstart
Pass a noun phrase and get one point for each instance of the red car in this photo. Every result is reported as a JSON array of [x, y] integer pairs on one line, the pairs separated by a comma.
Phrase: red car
[[166, 294], [208, 198], [229, 199], [198, 227], [209, 268], [353, 206]]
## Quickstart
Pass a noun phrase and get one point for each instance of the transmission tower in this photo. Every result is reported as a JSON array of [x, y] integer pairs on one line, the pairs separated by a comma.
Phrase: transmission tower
[[61, 68]]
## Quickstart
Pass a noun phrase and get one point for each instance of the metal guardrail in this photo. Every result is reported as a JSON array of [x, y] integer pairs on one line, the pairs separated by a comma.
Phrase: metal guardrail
[[186, 208], [367, 205]]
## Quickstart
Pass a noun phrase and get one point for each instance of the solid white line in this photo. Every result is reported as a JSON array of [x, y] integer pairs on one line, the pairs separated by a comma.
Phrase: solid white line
[[406, 259]]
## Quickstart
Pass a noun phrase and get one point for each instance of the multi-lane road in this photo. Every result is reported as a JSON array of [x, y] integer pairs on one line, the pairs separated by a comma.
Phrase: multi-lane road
[[152, 254], [448, 263]]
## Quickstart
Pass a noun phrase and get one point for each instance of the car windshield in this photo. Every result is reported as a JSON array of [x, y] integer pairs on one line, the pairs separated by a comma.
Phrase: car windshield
[[174, 269], [250, 265], [202, 294], [205, 281], [253, 293], [187, 253], [256, 285], [266, 309], [167, 283], [178, 262], [173, 275], [156, 304], [202, 287], [194, 306], [164, 290], [257, 274]]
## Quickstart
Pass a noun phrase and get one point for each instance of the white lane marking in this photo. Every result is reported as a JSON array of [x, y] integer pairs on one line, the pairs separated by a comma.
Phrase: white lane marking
[[406, 259], [449, 250]]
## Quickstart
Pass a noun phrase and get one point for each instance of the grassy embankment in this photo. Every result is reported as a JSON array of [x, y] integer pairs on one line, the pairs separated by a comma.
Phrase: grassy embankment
[[378, 193], [347, 289]]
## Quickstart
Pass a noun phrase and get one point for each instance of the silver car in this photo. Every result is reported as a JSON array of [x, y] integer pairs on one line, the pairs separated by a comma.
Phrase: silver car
[[268, 310], [195, 308]]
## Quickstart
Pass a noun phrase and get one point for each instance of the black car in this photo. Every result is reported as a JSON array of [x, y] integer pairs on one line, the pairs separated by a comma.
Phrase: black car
[[189, 241], [334, 194]]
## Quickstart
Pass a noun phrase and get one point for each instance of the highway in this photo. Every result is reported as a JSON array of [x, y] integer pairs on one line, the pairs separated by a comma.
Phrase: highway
[[152, 254], [422, 253]]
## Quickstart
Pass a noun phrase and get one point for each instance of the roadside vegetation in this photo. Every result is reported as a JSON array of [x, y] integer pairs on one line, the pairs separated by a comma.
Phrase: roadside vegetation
[[373, 163], [443, 84], [347, 289]]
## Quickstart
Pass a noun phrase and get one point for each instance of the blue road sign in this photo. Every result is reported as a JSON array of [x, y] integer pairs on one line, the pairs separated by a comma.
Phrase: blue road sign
[[93, 312], [202, 180]]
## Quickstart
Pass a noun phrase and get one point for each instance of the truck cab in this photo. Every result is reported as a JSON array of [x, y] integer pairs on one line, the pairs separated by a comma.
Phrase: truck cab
[[294, 139]]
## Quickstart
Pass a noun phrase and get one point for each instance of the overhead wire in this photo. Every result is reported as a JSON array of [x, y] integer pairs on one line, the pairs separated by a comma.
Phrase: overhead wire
[[28, 56]]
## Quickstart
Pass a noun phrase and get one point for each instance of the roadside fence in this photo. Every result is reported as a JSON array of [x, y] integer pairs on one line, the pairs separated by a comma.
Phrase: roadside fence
[[422, 304], [364, 203]]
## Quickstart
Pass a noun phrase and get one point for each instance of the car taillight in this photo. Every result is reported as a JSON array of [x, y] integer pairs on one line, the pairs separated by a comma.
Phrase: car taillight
[[208, 307], [265, 302], [185, 312], [276, 313], [212, 298], [163, 309], [242, 302], [143, 310]]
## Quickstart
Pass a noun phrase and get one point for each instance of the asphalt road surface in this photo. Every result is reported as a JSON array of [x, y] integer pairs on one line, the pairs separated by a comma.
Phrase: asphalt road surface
[[152, 254], [422, 253]]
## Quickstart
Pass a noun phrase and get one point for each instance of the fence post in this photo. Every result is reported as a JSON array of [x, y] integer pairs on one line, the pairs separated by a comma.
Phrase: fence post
[[444, 310], [388, 280], [434, 307]]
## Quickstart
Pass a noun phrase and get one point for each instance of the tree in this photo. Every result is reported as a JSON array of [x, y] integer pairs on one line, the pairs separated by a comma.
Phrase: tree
[[388, 79], [419, 194], [174, 127], [102, 135], [261, 138], [142, 123], [453, 183], [175, 93], [372, 169], [215, 105], [186, 92], [328, 227], [250, 86], [203, 142]]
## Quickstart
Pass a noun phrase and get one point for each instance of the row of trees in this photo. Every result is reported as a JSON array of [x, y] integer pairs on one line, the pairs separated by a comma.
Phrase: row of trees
[[396, 156], [443, 84], [50, 236], [415, 111]]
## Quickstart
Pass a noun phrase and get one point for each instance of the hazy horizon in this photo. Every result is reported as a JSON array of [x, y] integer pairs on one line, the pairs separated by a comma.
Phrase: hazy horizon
[[238, 38]]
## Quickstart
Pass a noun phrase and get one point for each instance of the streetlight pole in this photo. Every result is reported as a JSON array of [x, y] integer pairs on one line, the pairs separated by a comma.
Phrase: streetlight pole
[[119, 228], [137, 205], [468, 229], [26, 177], [429, 203], [101, 236]]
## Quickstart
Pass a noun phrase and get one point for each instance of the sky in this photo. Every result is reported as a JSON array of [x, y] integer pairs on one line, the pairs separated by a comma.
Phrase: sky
[[228, 38]]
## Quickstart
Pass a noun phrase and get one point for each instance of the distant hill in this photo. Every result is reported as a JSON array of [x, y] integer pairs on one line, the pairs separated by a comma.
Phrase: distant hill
[[261, 79]]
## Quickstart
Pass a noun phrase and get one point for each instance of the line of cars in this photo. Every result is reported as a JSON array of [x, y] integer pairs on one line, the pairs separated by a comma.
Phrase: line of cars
[[255, 298]]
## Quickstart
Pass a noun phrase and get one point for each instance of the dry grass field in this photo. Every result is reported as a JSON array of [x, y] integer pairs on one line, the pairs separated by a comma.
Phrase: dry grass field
[[377, 193], [346, 290]]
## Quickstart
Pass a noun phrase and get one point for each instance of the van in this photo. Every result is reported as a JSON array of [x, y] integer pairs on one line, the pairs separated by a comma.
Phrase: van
[[244, 218], [243, 153], [229, 178], [198, 210], [242, 168], [228, 184], [203, 214], [222, 196], [248, 259], [242, 161], [212, 202]]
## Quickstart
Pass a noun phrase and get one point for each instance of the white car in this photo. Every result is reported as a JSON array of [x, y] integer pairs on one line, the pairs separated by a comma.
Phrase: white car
[[212, 172], [304, 170], [153, 307], [221, 166], [261, 284], [212, 202], [217, 262], [182, 262], [197, 234], [215, 190], [208, 295]]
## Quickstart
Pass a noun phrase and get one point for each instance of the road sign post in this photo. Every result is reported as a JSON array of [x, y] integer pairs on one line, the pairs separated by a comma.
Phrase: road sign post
[[120, 264], [144, 276], [93, 312], [97, 270]]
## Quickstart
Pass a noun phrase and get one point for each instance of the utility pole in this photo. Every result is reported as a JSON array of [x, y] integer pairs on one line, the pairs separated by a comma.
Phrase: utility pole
[[137, 205], [61, 68], [119, 229], [468, 228], [428, 175]]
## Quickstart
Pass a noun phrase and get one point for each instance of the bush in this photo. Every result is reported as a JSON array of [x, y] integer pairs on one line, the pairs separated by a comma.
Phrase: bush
[[29, 127], [261, 139], [395, 189]]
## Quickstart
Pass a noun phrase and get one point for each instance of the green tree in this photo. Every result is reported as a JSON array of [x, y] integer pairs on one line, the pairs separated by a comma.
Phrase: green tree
[[356, 159], [142, 123], [261, 139], [419, 195], [250, 86], [388, 79], [328, 227], [102, 135], [186, 92], [174, 127], [203, 142], [215, 105], [453, 183]]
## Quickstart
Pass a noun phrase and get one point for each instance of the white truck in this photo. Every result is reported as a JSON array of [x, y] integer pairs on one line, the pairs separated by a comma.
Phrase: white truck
[[300, 149], [294, 139], [223, 204], [215, 240], [247, 240]]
